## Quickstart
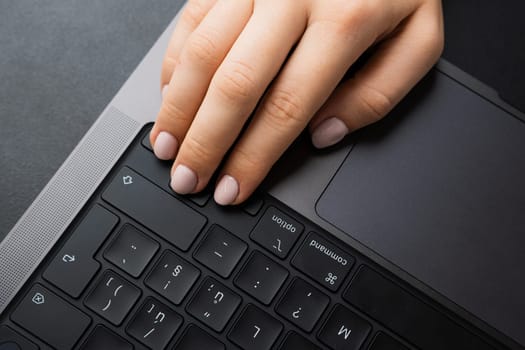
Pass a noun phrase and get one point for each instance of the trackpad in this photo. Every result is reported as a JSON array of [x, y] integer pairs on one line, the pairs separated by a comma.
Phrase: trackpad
[[438, 189]]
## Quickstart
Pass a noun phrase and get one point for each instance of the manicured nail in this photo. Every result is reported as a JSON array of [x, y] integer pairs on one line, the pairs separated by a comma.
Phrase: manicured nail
[[183, 180], [165, 146], [330, 132], [164, 91], [226, 191]]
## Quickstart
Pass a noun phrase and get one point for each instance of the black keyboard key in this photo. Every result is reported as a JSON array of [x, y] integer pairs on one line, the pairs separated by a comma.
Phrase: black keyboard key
[[146, 143], [302, 305], [50, 318], [214, 304], [172, 277], [103, 338], [154, 208], [195, 338], [73, 267], [323, 261], [112, 298], [220, 251], [9, 345], [11, 340], [131, 250], [253, 205], [407, 315], [261, 277], [277, 232], [255, 329], [385, 342], [344, 330], [295, 341], [154, 324], [201, 198]]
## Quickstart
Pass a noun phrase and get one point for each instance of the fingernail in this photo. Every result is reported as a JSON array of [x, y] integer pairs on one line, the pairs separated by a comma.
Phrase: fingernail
[[329, 132], [164, 91], [226, 191], [183, 180], [165, 146]]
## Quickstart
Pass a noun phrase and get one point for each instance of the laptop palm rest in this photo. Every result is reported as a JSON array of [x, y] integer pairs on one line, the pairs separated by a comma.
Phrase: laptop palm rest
[[438, 189]]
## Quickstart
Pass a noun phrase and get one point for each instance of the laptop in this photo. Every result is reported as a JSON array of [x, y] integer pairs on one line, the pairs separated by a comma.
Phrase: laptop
[[409, 235]]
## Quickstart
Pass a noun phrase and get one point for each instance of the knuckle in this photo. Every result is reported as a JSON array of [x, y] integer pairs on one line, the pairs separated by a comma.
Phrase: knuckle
[[194, 12], [244, 161], [201, 48], [355, 13], [197, 150], [169, 63], [172, 113], [283, 109], [168, 66], [236, 81], [376, 103]]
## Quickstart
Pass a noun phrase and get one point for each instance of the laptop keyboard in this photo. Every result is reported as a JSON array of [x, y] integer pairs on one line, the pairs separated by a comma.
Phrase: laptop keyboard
[[142, 267]]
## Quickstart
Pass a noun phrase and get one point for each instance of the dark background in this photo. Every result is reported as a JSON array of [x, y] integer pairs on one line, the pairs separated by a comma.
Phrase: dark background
[[62, 61]]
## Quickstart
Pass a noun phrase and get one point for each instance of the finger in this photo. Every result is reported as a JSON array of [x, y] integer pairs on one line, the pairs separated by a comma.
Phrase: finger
[[240, 81], [202, 53], [191, 16], [314, 69], [386, 78]]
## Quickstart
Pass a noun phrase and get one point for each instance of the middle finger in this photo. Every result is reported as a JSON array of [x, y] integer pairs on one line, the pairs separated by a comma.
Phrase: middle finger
[[239, 82]]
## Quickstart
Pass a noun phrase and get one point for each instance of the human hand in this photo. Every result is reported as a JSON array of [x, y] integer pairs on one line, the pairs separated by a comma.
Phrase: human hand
[[225, 55]]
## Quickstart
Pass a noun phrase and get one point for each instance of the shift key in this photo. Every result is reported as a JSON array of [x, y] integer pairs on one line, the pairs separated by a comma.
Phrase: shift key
[[50, 318], [154, 208], [323, 261]]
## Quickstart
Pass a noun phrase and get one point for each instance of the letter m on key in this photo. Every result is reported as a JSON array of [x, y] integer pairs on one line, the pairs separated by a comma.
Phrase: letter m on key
[[344, 331]]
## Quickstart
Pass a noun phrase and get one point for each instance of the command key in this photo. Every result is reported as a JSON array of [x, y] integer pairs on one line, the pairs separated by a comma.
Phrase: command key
[[323, 261]]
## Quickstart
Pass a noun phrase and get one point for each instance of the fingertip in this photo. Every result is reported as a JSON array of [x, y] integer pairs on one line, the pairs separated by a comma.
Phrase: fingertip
[[227, 190], [165, 146], [329, 132], [183, 180]]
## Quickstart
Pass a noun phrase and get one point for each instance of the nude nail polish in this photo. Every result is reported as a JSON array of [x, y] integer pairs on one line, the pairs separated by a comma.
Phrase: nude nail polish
[[329, 132], [165, 146], [183, 180], [226, 191]]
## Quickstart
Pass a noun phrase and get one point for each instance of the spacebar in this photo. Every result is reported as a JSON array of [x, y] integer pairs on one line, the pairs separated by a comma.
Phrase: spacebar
[[154, 208], [407, 315]]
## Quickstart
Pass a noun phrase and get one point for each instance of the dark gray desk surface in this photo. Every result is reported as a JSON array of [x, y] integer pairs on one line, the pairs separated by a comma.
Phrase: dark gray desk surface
[[62, 61]]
